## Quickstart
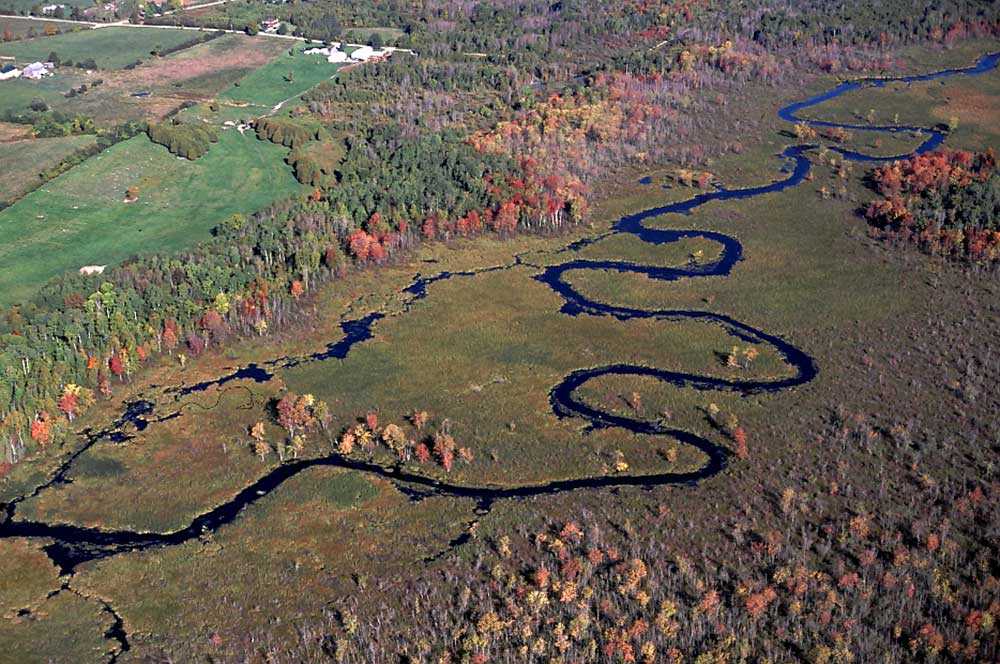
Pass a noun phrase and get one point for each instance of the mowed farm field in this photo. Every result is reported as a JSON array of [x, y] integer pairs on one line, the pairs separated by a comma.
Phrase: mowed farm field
[[111, 48], [22, 161], [193, 74], [81, 217], [285, 77]]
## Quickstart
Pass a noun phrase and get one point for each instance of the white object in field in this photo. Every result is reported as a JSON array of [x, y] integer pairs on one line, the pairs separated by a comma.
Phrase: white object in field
[[35, 71]]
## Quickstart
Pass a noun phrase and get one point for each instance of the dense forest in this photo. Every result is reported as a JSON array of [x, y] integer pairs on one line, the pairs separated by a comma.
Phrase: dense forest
[[540, 35], [947, 202]]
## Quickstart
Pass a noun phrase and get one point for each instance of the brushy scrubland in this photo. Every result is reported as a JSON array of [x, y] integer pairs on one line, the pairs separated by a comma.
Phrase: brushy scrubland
[[843, 588], [871, 539]]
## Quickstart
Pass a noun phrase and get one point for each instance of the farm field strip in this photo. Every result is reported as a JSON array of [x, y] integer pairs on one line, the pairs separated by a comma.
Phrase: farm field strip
[[22, 161], [82, 218], [129, 46]]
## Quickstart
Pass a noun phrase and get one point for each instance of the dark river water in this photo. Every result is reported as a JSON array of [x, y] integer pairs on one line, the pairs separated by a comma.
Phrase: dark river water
[[70, 545]]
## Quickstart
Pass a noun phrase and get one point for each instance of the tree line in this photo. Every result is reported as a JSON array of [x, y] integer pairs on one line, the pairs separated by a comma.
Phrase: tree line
[[184, 139]]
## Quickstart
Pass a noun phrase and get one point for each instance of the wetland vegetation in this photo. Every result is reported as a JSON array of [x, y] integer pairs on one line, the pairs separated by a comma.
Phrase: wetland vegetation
[[548, 356]]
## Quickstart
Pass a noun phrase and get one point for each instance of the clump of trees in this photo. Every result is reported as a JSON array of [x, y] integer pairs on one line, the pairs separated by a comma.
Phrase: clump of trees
[[46, 123], [298, 415], [946, 202], [409, 441], [287, 131], [184, 139]]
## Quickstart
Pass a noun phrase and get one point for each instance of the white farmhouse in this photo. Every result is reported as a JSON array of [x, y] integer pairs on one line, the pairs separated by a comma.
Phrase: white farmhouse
[[332, 52], [335, 55]]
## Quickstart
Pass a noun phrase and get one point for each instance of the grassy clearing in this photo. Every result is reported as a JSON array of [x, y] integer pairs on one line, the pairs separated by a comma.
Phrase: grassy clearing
[[314, 553], [10, 132], [285, 77], [111, 48], [194, 74], [491, 371], [26, 577], [22, 161], [210, 68], [961, 54], [194, 468], [683, 252], [80, 218], [20, 92]]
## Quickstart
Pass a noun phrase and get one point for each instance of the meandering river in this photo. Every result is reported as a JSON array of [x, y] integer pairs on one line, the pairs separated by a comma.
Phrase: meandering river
[[70, 545]]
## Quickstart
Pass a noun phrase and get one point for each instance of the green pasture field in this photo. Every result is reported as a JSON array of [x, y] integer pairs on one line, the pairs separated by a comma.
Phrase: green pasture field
[[80, 218], [17, 94], [269, 85], [230, 49], [22, 161], [193, 74], [111, 48]]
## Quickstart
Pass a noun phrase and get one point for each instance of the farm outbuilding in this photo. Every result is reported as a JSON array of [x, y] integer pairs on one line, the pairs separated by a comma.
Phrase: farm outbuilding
[[335, 55]]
